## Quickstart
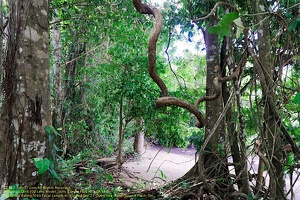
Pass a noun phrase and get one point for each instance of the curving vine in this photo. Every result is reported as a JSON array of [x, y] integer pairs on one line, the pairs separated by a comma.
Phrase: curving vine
[[151, 10], [164, 100]]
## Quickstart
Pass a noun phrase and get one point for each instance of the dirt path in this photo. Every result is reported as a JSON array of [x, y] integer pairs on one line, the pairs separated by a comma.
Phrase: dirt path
[[167, 165], [157, 166]]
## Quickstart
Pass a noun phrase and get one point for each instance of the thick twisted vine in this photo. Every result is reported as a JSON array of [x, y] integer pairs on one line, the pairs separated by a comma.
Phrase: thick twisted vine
[[151, 10], [164, 100], [173, 101]]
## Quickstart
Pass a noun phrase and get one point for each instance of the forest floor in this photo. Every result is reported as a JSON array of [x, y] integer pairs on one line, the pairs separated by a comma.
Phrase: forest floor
[[157, 166]]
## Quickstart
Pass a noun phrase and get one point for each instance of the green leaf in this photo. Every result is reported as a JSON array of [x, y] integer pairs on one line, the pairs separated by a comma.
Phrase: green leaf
[[48, 129], [223, 27], [51, 164], [240, 27], [42, 165], [250, 197], [228, 19], [220, 30], [109, 177], [224, 31], [214, 30], [54, 174], [54, 131], [162, 175], [297, 98]]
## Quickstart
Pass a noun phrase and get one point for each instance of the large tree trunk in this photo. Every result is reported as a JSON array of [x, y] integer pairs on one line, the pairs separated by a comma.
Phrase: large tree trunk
[[271, 139], [212, 159], [26, 109]]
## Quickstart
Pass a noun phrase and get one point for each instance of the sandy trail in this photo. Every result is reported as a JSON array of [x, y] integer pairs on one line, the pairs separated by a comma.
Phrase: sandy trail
[[167, 164], [171, 164]]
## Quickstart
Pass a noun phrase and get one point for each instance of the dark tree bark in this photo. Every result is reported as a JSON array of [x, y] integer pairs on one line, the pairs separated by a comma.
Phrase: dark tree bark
[[26, 108], [212, 159]]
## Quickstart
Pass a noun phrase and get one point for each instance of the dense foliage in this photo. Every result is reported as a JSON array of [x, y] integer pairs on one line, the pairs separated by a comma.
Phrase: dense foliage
[[101, 88], [104, 70], [113, 71]]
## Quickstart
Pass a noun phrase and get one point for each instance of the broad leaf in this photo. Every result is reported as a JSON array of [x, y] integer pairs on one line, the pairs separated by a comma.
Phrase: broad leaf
[[50, 129], [228, 19], [293, 25], [42, 165], [54, 131], [220, 30], [223, 27]]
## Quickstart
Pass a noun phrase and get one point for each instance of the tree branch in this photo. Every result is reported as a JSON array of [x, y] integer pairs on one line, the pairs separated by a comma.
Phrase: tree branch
[[238, 68], [218, 88], [209, 14], [173, 101]]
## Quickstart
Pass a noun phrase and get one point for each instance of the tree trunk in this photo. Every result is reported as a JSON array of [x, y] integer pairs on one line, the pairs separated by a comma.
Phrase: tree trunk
[[57, 82], [58, 92], [139, 139], [1, 49], [213, 160], [121, 135], [26, 109], [271, 138], [76, 60], [83, 82]]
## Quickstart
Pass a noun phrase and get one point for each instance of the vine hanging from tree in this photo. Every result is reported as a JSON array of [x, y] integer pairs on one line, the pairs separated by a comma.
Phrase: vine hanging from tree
[[165, 100]]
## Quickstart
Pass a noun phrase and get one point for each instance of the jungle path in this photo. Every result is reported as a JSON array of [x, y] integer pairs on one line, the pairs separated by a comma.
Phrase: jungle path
[[158, 166]]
